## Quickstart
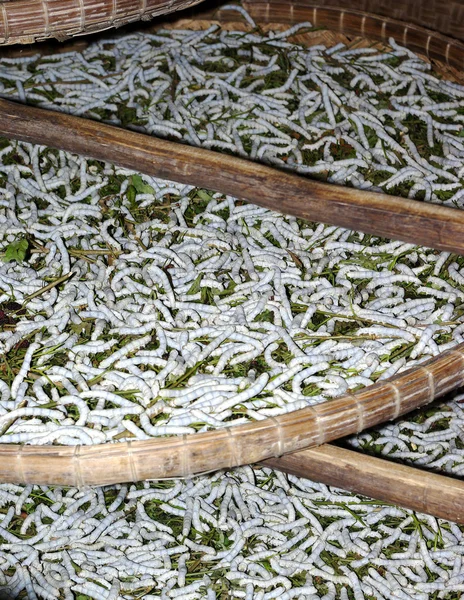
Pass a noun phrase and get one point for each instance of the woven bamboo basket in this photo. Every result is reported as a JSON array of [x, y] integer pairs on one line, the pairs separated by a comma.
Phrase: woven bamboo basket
[[26, 21]]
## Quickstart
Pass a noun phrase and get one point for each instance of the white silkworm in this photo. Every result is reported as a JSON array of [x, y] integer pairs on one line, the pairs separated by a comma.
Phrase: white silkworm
[[130, 347], [252, 391]]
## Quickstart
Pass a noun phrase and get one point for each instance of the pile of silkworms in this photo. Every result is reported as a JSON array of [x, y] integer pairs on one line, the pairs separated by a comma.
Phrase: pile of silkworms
[[433, 438], [249, 534], [137, 307]]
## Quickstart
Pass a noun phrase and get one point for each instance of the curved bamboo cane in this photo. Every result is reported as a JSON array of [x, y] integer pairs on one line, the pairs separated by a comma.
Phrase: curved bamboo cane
[[233, 446], [444, 16], [425, 34], [28, 21]]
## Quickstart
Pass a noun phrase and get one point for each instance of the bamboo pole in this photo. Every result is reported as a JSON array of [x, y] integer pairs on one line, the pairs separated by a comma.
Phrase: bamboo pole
[[384, 480], [412, 221]]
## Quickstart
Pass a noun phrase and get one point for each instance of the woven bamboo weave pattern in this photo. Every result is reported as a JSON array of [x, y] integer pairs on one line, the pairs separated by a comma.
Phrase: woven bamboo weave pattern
[[446, 17], [373, 26], [27, 21]]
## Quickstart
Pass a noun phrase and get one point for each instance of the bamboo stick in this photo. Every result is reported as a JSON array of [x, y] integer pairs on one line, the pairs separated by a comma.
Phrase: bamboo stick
[[412, 221], [384, 480], [186, 455]]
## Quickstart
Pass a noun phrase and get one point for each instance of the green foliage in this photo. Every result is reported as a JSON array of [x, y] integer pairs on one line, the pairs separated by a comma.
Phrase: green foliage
[[203, 195], [16, 250], [196, 285], [138, 186]]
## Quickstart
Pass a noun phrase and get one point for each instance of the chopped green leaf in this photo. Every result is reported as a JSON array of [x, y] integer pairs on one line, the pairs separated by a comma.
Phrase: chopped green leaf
[[204, 195], [195, 287], [131, 193], [17, 250], [140, 186]]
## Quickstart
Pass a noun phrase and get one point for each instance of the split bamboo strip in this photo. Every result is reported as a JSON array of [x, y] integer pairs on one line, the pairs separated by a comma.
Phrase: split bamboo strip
[[409, 487], [446, 16], [187, 455], [412, 221]]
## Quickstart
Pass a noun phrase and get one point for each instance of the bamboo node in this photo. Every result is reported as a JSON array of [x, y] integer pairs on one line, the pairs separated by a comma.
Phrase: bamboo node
[[235, 458], [431, 383], [19, 460], [384, 30], [131, 460], [6, 24], [280, 438], [405, 36], [427, 45], [397, 398], [143, 8], [360, 412], [76, 461], [81, 14], [186, 468], [46, 19]]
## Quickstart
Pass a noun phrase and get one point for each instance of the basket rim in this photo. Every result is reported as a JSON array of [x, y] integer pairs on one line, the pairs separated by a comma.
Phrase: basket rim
[[194, 454], [253, 442], [29, 21]]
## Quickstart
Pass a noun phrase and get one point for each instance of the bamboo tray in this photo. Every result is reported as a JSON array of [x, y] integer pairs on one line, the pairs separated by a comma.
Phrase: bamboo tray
[[267, 440]]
